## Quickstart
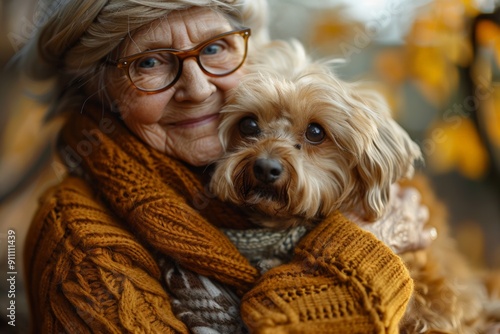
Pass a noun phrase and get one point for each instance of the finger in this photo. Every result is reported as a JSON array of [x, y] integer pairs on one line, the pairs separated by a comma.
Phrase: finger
[[423, 214], [427, 237], [411, 195]]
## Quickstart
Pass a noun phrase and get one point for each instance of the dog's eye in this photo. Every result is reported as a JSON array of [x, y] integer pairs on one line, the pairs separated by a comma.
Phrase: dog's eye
[[315, 134], [249, 126]]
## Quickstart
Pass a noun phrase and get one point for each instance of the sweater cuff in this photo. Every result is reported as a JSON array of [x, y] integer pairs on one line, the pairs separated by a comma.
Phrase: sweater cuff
[[338, 246]]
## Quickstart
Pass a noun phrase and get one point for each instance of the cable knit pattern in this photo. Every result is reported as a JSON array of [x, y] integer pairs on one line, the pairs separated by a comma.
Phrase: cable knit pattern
[[91, 269], [322, 289], [139, 184], [80, 258]]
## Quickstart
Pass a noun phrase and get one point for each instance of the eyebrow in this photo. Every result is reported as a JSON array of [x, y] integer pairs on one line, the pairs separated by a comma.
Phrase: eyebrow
[[149, 45]]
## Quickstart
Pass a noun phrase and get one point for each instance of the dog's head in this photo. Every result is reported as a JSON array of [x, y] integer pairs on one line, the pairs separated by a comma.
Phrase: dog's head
[[300, 143]]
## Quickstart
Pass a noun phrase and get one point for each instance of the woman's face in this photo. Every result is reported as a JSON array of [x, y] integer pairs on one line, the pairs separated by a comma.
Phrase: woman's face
[[181, 121]]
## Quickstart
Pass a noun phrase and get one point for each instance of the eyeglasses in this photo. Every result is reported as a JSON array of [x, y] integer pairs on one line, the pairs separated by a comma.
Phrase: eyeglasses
[[156, 70]]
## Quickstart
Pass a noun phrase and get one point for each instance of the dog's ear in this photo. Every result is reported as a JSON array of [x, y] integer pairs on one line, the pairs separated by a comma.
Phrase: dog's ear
[[389, 154]]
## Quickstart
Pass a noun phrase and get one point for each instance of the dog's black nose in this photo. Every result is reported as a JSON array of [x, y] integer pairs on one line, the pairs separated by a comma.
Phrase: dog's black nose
[[267, 170]]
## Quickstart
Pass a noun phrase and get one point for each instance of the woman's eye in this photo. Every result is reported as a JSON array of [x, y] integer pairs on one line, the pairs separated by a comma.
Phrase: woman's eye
[[249, 126], [213, 49], [315, 134], [149, 62]]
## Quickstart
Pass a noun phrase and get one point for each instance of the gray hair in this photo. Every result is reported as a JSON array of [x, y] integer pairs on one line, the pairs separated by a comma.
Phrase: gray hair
[[75, 36]]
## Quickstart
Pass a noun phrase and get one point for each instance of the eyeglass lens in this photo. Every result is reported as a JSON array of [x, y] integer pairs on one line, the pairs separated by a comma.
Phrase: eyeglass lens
[[219, 57]]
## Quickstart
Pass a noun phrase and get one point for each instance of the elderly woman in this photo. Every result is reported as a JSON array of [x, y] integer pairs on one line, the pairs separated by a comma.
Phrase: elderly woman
[[130, 240]]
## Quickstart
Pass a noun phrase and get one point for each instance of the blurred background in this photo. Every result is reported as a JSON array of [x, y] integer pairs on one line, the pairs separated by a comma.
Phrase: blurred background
[[436, 61]]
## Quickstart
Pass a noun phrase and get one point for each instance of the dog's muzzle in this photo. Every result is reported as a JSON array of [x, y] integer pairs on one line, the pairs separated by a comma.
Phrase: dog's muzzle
[[267, 170]]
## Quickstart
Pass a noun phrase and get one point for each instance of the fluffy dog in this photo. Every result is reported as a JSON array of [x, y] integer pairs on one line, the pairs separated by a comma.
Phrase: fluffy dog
[[300, 144]]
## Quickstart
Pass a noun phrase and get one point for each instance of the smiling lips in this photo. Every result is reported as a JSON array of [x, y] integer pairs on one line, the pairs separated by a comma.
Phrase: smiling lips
[[194, 122]]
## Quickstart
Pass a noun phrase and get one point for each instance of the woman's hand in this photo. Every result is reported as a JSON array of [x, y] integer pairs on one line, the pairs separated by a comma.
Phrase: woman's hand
[[402, 226]]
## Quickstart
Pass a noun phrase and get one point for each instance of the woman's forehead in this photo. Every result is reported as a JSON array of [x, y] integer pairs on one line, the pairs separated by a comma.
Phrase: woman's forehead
[[178, 30]]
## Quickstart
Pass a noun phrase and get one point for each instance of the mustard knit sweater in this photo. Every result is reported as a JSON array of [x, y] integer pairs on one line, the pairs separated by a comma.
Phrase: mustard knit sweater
[[91, 250]]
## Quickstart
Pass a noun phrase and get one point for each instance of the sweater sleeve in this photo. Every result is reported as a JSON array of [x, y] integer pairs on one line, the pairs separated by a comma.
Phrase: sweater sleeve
[[341, 280], [87, 274]]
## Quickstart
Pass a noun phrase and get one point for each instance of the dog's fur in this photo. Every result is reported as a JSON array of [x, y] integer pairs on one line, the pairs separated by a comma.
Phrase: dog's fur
[[301, 143]]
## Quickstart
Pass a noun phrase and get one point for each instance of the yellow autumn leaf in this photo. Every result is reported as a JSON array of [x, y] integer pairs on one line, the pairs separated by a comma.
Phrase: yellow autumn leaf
[[486, 32], [423, 32], [470, 7], [457, 49], [441, 18], [327, 31], [330, 26], [450, 13], [428, 65], [434, 76], [456, 145], [390, 64]]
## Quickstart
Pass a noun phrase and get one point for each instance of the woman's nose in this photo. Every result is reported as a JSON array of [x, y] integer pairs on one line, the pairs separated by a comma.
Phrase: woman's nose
[[193, 85]]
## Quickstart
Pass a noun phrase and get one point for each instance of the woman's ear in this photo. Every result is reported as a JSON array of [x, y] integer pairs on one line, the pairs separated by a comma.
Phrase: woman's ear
[[389, 156]]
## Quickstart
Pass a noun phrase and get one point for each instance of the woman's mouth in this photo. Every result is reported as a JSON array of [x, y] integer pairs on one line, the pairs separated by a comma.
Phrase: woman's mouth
[[194, 122]]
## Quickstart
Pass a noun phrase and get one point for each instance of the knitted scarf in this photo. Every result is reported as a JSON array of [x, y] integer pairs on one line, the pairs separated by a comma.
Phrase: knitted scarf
[[337, 277], [161, 200]]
